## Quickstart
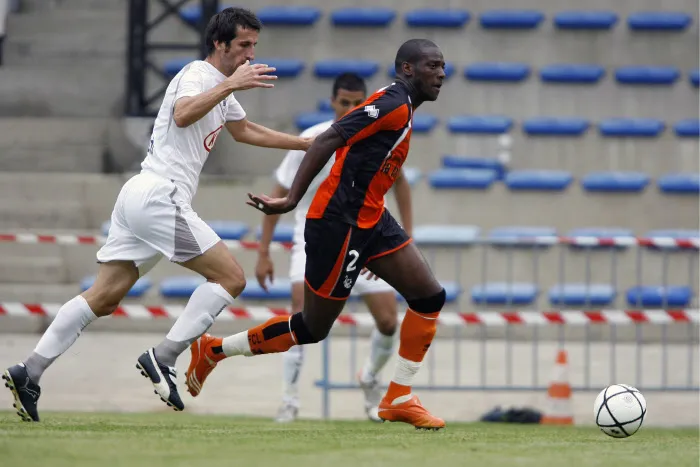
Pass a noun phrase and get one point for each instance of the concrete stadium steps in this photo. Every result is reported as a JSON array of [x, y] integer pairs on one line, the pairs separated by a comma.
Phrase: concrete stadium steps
[[574, 208]]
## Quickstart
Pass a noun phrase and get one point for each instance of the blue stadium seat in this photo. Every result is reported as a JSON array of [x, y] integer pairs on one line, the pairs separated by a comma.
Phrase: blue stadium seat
[[694, 77], [659, 21], [452, 292], [333, 68], [191, 14], [482, 124], [180, 286], [681, 183], [540, 180], [551, 126], [289, 15], [638, 74], [286, 67], [518, 235], [449, 70], [437, 18], [173, 67], [363, 16], [281, 289], [229, 230], [511, 19], [503, 293], [658, 296], [324, 105], [284, 232], [689, 128], [497, 71], [412, 174], [628, 182], [137, 290], [579, 73], [424, 123], [636, 127], [442, 235], [585, 19], [582, 294], [464, 162], [306, 120], [479, 179]]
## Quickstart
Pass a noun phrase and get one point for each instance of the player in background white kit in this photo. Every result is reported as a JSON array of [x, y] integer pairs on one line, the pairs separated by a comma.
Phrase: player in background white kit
[[349, 91], [153, 216]]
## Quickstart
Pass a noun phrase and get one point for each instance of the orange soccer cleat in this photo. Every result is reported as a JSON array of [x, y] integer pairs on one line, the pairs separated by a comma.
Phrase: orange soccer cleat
[[203, 361], [411, 412]]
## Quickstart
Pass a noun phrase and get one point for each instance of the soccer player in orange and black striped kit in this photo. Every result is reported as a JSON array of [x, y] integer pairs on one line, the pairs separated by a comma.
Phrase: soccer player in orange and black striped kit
[[348, 229]]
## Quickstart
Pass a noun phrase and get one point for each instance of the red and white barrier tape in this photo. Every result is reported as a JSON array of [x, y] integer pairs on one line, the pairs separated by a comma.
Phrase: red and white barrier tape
[[658, 242], [449, 319]]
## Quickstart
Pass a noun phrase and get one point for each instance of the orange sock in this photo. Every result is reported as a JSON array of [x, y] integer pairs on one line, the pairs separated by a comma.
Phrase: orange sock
[[417, 332], [273, 336]]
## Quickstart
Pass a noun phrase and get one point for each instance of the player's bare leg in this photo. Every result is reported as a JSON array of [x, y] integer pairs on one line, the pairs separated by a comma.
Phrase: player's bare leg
[[382, 306], [276, 335], [225, 281], [406, 270], [114, 279]]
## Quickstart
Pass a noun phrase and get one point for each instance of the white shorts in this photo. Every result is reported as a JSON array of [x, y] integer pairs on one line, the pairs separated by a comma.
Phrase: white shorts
[[151, 220], [363, 286]]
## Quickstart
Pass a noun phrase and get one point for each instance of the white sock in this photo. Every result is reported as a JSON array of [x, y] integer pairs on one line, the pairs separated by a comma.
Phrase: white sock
[[204, 305], [70, 321], [404, 374], [236, 345], [381, 350], [292, 361]]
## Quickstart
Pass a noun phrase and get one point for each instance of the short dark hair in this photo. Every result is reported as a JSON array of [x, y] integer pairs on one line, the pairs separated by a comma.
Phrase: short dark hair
[[223, 25], [410, 51], [349, 82]]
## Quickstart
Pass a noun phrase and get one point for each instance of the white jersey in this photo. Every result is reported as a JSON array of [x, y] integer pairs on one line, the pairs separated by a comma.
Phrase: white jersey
[[178, 154], [287, 170]]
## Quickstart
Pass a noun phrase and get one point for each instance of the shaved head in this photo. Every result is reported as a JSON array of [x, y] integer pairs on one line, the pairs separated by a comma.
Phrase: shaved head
[[411, 51]]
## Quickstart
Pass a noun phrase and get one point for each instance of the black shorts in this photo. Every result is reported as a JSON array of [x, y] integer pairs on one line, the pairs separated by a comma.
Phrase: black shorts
[[336, 252]]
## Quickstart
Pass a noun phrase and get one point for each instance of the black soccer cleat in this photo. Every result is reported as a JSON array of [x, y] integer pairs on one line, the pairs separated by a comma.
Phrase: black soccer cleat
[[25, 392], [163, 377]]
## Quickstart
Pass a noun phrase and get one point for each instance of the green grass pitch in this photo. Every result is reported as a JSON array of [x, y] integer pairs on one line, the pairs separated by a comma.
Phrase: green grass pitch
[[176, 439]]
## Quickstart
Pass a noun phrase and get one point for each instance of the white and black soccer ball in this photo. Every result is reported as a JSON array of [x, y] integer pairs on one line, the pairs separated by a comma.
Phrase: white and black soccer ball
[[619, 410]]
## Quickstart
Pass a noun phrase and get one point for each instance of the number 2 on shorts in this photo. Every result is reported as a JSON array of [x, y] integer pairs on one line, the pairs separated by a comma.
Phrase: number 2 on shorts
[[351, 265]]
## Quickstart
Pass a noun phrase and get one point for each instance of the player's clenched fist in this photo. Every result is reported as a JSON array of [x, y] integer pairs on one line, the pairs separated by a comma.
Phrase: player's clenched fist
[[249, 76]]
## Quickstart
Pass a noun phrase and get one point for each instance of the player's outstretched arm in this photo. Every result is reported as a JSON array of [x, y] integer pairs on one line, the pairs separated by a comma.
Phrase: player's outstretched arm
[[247, 132], [190, 109], [265, 268], [323, 147]]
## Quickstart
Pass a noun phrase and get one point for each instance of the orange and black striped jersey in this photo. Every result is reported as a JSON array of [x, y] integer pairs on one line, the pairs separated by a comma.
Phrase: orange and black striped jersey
[[377, 135]]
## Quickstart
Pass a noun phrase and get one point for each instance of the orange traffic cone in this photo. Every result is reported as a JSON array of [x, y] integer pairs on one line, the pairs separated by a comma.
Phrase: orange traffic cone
[[559, 410]]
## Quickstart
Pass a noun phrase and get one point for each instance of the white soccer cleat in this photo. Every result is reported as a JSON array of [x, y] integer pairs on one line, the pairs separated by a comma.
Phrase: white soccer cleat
[[287, 413], [372, 395]]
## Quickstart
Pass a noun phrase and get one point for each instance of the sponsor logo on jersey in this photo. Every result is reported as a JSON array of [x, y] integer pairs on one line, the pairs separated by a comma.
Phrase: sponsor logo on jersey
[[210, 139], [372, 111]]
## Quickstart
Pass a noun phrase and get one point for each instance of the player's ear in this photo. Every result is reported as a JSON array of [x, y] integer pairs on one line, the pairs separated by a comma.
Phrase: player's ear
[[407, 69]]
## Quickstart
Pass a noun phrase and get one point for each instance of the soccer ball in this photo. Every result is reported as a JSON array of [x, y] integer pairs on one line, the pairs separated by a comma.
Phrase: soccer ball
[[619, 410]]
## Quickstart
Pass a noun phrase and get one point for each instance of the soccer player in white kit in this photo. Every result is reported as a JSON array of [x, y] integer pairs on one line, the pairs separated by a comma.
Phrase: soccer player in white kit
[[153, 216], [349, 91]]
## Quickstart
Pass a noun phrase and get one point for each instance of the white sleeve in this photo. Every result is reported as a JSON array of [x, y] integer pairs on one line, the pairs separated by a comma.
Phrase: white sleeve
[[191, 84], [234, 111], [287, 170]]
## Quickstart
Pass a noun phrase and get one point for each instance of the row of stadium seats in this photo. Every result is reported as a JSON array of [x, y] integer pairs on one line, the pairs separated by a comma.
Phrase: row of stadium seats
[[452, 235], [505, 72], [492, 293], [378, 17], [559, 180], [535, 126]]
